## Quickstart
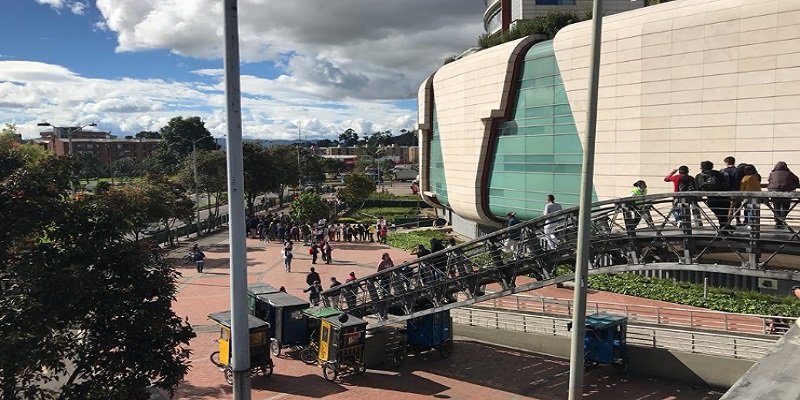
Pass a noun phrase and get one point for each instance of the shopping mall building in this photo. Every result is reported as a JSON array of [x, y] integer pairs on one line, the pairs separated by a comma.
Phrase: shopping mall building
[[681, 82]]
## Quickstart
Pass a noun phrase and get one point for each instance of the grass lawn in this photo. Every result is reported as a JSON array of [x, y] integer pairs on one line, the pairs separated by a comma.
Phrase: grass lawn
[[389, 213], [410, 240]]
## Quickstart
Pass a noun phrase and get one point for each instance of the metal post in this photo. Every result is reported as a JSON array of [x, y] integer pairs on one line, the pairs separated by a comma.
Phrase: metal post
[[587, 182], [299, 173], [238, 265], [196, 189], [69, 140]]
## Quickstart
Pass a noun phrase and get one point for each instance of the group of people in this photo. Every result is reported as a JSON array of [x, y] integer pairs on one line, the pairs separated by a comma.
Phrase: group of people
[[733, 177], [315, 289]]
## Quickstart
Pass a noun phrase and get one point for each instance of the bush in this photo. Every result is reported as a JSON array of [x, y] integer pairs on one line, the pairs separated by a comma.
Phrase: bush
[[720, 299], [410, 240], [389, 213], [547, 25]]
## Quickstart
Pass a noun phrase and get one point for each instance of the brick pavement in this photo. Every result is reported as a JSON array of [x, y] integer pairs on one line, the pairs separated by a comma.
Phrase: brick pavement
[[474, 371]]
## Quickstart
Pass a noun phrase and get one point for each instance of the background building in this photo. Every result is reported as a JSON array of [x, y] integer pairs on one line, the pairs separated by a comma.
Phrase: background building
[[502, 14], [107, 148], [680, 83], [398, 154]]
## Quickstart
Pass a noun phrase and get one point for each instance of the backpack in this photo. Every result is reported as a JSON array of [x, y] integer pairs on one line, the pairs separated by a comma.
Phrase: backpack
[[711, 182], [686, 184]]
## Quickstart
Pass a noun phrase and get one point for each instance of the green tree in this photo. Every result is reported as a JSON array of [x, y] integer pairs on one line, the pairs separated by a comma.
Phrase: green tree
[[161, 162], [80, 302], [89, 165], [148, 135], [332, 165], [357, 187], [312, 168], [309, 207], [166, 202], [261, 172], [9, 136], [126, 167], [212, 176], [179, 134], [349, 137]]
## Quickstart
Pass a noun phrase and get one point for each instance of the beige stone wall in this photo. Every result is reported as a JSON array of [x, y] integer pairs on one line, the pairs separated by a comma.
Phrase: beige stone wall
[[687, 81], [467, 93]]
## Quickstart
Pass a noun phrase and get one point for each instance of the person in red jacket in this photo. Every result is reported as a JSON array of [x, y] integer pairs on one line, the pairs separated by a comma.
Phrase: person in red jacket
[[683, 182]]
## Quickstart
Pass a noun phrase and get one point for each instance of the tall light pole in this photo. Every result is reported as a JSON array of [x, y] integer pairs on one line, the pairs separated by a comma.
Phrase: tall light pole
[[587, 182], [69, 133], [299, 173], [240, 363]]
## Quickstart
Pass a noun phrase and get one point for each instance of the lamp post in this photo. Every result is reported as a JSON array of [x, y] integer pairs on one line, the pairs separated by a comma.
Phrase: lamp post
[[69, 133], [196, 183]]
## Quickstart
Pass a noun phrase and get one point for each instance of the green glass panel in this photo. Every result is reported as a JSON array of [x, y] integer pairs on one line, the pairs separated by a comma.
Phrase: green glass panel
[[438, 182], [538, 151]]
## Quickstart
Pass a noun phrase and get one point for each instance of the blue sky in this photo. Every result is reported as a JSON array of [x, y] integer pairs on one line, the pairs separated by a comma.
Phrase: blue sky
[[130, 65]]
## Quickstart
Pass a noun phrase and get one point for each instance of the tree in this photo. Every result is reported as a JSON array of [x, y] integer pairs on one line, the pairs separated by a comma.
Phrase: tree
[[349, 137], [179, 134], [327, 143], [89, 165], [162, 161], [357, 187], [212, 176], [84, 309], [406, 138], [125, 167], [332, 165], [309, 207], [9, 136], [148, 135], [166, 202], [260, 172], [312, 168]]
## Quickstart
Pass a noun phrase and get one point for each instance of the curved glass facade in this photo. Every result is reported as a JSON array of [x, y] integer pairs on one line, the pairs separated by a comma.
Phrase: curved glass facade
[[537, 151], [438, 183]]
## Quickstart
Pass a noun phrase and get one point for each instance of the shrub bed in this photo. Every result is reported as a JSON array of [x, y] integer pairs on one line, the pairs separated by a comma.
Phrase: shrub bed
[[720, 299], [410, 240]]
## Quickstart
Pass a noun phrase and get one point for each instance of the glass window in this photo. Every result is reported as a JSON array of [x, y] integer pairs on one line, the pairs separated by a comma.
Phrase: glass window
[[555, 2], [538, 152]]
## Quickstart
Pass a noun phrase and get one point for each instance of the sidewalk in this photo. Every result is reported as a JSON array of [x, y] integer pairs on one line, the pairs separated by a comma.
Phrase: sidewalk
[[475, 371]]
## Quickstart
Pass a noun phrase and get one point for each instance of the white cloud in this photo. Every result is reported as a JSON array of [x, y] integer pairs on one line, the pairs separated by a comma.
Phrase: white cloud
[[74, 6], [345, 48], [31, 92]]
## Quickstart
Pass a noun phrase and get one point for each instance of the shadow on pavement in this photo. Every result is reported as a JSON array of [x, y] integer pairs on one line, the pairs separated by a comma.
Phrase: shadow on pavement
[[402, 381], [314, 386], [544, 377], [188, 391]]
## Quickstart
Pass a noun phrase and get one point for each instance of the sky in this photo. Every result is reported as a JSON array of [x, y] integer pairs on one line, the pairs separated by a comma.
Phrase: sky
[[131, 65]]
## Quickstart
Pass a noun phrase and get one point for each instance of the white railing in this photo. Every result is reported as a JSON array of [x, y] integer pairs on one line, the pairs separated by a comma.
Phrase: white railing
[[714, 344], [658, 315]]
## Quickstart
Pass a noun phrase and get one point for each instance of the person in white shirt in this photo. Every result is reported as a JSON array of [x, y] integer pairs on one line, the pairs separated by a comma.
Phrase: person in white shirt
[[550, 225]]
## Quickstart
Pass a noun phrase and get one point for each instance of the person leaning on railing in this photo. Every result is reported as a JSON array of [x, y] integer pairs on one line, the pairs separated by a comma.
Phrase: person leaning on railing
[[781, 179], [751, 182]]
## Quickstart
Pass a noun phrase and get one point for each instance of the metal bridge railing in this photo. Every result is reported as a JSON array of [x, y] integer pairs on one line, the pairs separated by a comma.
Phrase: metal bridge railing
[[666, 231], [658, 315], [715, 344]]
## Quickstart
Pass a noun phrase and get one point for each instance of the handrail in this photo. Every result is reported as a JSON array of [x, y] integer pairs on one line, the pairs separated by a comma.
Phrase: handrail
[[716, 344], [663, 231], [660, 315]]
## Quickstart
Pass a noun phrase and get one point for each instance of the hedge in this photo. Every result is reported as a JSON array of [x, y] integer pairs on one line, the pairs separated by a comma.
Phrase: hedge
[[720, 299]]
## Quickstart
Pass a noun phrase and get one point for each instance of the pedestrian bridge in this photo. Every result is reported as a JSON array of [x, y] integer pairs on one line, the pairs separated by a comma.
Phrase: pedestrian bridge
[[665, 232]]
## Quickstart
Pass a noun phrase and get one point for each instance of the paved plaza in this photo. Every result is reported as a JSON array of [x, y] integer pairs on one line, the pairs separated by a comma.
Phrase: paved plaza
[[475, 370]]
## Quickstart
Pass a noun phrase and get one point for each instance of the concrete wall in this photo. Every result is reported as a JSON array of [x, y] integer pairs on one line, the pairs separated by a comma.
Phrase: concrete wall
[[687, 81], [685, 367]]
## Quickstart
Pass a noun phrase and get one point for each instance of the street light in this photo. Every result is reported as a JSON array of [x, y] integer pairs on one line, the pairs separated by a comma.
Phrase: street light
[[69, 133], [196, 182]]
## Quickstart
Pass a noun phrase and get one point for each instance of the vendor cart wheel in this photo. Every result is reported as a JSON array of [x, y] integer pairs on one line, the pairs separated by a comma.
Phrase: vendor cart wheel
[[398, 358], [624, 365], [308, 355], [275, 347], [330, 371], [228, 372], [215, 359], [446, 348]]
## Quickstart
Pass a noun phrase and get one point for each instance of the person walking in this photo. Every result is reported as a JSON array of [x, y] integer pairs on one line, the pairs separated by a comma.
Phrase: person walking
[[637, 208], [781, 179], [551, 225], [335, 282], [371, 230], [199, 258], [733, 176], [512, 243], [287, 255], [313, 291], [327, 250], [385, 263], [313, 251], [312, 277]]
